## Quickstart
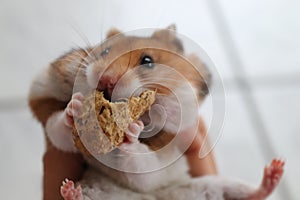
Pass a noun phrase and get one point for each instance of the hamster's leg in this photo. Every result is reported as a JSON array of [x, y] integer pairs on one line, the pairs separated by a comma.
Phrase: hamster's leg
[[59, 126], [57, 166], [60, 159], [216, 187], [69, 192], [271, 178], [203, 166]]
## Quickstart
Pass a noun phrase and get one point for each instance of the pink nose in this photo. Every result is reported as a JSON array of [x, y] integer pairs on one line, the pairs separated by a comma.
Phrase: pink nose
[[107, 82]]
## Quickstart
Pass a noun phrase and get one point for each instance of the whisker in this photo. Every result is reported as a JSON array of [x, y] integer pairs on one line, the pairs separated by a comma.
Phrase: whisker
[[86, 41], [104, 6], [85, 58], [90, 54], [74, 61], [79, 57], [82, 36], [92, 57]]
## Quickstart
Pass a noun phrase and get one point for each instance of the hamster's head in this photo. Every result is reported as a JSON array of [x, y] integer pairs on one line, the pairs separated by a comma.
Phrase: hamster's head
[[126, 65]]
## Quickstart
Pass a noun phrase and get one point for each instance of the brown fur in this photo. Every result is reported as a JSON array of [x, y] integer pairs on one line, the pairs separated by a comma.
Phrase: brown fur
[[57, 166], [158, 141], [43, 108]]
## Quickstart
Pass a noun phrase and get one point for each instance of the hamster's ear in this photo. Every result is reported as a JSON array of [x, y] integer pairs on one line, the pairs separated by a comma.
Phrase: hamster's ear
[[169, 35], [113, 32], [172, 27], [166, 34]]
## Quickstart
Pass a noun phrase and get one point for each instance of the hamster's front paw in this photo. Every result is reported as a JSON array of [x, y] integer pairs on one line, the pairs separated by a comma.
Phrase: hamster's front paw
[[72, 109], [132, 135], [133, 131]]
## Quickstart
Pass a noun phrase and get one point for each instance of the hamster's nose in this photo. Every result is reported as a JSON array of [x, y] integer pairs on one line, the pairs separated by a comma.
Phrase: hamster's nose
[[107, 82]]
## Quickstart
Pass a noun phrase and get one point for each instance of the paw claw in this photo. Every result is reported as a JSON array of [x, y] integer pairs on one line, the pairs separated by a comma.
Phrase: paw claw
[[133, 131], [69, 192], [72, 109]]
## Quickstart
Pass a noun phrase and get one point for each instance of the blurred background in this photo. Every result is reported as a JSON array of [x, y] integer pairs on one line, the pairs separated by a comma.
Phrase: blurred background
[[255, 46]]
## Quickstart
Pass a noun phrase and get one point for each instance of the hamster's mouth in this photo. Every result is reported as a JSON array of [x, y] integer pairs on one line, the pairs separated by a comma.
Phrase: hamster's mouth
[[106, 93]]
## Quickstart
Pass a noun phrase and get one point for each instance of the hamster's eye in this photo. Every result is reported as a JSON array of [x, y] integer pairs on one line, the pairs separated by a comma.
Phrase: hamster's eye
[[147, 61], [105, 51]]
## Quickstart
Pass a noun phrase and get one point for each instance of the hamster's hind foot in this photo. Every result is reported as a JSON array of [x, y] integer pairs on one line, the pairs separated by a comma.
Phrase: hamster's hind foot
[[69, 192], [271, 178], [272, 175]]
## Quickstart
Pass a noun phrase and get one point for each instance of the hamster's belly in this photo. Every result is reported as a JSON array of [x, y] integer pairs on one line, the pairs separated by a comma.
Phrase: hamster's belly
[[175, 173]]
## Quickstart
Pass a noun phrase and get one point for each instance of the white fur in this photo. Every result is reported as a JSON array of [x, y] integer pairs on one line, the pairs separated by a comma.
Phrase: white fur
[[99, 186], [41, 85], [143, 173], [59, 134], [44, 85], [181, 110]]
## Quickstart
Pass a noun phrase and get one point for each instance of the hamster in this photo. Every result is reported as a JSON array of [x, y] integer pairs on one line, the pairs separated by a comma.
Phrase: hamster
[[53, 103], [120, 67]]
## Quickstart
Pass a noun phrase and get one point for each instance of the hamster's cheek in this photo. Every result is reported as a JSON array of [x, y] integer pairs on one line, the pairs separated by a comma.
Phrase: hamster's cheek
[[181, 109]]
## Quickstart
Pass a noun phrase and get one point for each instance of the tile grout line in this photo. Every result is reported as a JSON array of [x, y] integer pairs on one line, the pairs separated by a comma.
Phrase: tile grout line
[[244, 86]]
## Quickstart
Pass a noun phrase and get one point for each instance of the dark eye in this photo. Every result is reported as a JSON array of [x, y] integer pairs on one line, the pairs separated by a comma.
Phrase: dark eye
[[147, 61], [105, 51]]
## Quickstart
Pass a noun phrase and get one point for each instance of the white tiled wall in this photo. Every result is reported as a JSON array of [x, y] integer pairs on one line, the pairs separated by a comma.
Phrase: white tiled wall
[[21, 150], [281, 115], [266, 34], [261, 37]]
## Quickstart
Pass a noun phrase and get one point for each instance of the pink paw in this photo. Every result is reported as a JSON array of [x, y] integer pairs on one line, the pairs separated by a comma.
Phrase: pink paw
[[69, 192], [272, 175], [133, 131], [72, 109], [132, 134]]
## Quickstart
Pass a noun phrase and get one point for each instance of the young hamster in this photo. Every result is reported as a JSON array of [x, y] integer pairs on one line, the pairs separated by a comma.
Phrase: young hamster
[[53, 103]]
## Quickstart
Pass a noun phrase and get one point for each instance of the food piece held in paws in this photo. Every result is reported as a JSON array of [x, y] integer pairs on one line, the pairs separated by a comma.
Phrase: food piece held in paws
[[101, 124]]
